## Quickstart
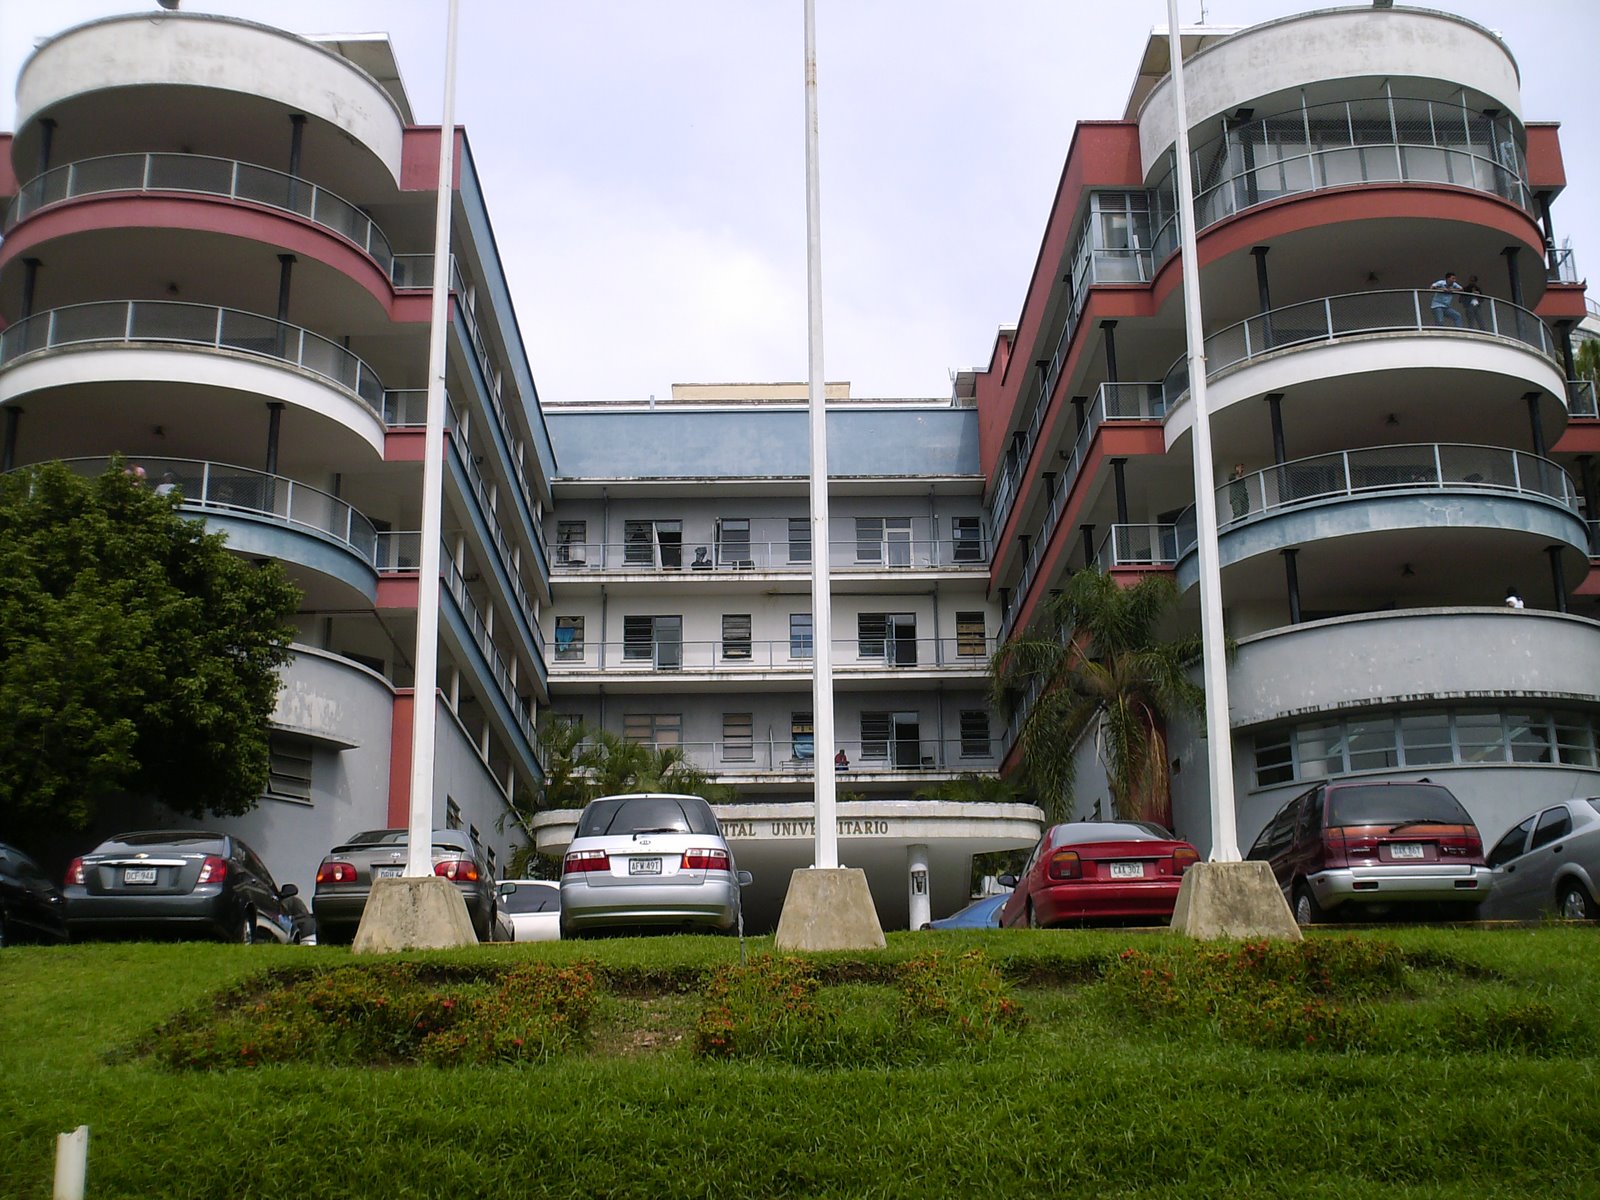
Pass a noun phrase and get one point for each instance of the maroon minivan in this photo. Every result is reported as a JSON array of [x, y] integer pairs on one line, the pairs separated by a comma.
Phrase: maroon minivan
[[1375, 848]]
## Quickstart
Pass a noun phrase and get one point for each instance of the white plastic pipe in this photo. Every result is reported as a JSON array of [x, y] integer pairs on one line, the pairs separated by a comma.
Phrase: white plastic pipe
[[72, 1163]]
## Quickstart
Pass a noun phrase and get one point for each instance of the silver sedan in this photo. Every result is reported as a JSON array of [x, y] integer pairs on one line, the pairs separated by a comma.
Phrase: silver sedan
[[1548, 862], [649, 860]]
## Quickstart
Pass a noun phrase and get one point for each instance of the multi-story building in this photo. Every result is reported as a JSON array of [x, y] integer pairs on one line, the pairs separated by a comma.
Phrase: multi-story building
[[681, 557], [1389, 461], [217, 262]]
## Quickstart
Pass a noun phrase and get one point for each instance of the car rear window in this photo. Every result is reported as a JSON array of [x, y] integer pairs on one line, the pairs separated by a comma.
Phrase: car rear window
[[1111, 831], [533, 898], [640, 814], [378, 837], [1390, 804], [207, 843]]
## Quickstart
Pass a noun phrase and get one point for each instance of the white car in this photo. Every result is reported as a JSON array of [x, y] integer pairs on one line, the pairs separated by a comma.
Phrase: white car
[[532, 907]]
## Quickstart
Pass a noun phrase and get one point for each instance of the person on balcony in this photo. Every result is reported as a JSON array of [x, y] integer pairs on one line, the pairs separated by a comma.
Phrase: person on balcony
[[1444, 300], [1472, 299], [841, 761], [1238, 492]]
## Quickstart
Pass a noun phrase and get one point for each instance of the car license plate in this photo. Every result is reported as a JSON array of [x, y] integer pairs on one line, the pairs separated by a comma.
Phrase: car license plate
[[644, 866], [388, 872], [1406, 850], [1127, 870], [139, 875]]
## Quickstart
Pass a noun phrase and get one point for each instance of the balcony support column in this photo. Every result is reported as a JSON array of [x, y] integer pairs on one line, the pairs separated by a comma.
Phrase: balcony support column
[[1291, 579], [1110, 328], [1088, 544], [297, 133], [1263, 287], [47, 138], [1549, 233], [30, 278], [1558, 577], [1079, 404], [1280, 454], [8, 455], [1564, 335], [1586, 480], [1511, 253], [274, 427], [285, 274], [1536, 423], [1118, 477]]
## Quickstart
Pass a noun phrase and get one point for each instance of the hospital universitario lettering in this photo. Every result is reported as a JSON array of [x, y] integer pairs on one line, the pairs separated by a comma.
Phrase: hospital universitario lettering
[[848, 827]]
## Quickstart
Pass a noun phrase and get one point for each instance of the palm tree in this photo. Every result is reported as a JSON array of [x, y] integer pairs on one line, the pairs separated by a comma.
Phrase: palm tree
[[1111, 666]]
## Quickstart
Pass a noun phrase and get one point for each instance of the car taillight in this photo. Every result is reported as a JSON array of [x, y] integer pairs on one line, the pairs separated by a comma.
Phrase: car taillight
[[1183, 858], [213, 870], [1467, 845], [462, 870], [1065, 864], [579, 861], [705, 860], [336, 872], [75, 871]]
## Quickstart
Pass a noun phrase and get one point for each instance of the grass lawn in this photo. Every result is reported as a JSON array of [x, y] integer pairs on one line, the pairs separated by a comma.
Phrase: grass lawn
[[1478, 1077]]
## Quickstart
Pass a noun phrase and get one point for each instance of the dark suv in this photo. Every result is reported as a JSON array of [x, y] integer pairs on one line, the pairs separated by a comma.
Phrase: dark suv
[[1341, 848]]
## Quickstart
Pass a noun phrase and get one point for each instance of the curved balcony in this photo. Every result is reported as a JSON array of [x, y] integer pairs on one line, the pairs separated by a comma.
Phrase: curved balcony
[[725, 560], [784, 656], [1357, 314], [1457, 510], [170, 322], [198, 175], [1376, 140]]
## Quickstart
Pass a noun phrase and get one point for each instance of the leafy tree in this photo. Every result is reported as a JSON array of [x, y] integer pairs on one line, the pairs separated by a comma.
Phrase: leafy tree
[[138, 657], [582, 762], [971, 788], [1110, 664], [1587, 361]]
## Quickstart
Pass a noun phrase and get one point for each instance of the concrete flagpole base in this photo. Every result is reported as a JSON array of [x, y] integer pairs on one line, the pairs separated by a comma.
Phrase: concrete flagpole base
[[413, 913], [1233, 900], [829, 909]]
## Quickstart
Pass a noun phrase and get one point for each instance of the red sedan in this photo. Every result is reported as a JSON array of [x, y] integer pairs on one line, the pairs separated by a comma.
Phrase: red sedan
[[1099, 870]]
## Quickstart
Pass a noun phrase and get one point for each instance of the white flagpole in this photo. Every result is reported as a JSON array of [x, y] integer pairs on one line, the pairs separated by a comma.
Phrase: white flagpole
[[1224, 825], [419, 855], [827, 831]]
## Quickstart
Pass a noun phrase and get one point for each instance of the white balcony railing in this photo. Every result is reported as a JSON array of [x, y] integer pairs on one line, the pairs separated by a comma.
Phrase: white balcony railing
[[649, 557], [875, 654], [789, 756]]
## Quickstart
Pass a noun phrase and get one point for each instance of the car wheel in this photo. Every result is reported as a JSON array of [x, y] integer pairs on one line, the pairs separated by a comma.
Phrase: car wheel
[[1033, 917], [4, 937], [1306, 909], [1575, 903], [245, 931]]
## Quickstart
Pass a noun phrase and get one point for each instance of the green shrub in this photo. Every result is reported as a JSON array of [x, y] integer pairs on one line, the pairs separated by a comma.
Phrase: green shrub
[[964, 994], [1513, 1025]]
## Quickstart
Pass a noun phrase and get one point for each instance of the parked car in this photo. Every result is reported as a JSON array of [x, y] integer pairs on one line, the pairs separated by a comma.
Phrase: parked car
[[649, 860], [177, 881], [1375, 847], [344, 879], [1548, 862], [980, 914], [1099, 870], [31, 905], [532, 908]]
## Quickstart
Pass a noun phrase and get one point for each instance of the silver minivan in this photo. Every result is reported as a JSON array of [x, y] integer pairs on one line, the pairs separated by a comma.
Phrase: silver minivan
[[649, 860]]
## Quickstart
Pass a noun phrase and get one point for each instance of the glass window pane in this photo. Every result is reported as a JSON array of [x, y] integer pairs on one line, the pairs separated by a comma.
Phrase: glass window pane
[[970, 634], [1274, 758], [1321, 750], [802, 737], [1530, 737], [799, 635], [569, 638], [1481, 737], [736, 635], [799, 539], [1372, 744], [1425, 739]]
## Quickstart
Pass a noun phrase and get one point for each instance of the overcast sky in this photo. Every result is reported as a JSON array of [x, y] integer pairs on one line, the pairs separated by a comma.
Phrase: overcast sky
[[644, 161]]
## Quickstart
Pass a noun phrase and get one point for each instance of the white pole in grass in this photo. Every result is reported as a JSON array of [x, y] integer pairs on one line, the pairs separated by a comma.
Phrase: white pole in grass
[[72, 1164], [826, 847], [1224, 827], [419, 850]]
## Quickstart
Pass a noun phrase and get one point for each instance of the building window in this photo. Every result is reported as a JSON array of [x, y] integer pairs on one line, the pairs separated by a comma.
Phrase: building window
[[891, 637], [733, 542], [653, 544], [971, 636], [494, 867], [884, 540], [738, 742], [1422, 739], [658, 730], [874, 736], [967, 539], [800, 635], [472, 832], [289, 768], [569, 639], [975, 733], [656, 640], [571, 549], [452, 814], [799, 539], [735, 635], [802, 737]]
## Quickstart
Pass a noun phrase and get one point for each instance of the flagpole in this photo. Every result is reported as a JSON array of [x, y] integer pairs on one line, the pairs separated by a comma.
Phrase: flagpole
[[419, 855], [826, 847], [1224, 823]]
